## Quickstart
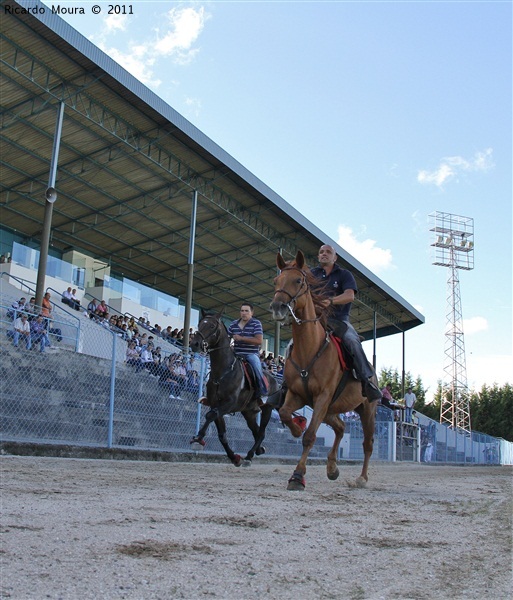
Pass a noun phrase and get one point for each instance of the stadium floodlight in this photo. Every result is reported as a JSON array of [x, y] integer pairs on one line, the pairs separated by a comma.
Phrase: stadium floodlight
[[453, 247]]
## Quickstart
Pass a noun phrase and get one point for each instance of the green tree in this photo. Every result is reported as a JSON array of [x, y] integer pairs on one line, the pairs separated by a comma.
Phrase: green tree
[[392, 376], [491, 411]]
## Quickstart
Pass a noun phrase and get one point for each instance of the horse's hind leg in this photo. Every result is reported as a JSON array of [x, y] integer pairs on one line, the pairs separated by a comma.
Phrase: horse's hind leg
[[257, 431], [338, 427], [367, 413], [221, 432]]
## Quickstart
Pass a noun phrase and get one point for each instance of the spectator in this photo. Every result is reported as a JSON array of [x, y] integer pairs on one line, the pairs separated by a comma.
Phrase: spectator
[[387, 399], [193, 381], [102, 310], [75, 302], [180, 373], [409, 402], [91, 308], [46, 306], [67, 297], [22, 329], [39, 333], [145, 358], [16, 307], [132, 356], [169, 380], [54, 330], [31, 309]]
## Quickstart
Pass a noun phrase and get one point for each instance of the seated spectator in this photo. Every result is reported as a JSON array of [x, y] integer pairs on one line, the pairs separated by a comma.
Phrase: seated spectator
[[193, 381], [16, 307], [22, 329], [387, 399], [167, 333], [53, 330], [75, 302], [46, 306], [67, 297], [145, 358], [132, 356], [180, 373], [39, 333], [102, 310], [91, 308], [31, 309], [169, 380]]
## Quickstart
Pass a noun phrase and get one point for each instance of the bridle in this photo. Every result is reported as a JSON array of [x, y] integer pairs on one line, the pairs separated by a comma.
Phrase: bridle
[[304, 288], [206, 345]]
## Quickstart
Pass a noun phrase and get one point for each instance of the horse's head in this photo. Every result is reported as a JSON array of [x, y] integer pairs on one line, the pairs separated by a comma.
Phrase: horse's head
[[290, 287], [208, 335]]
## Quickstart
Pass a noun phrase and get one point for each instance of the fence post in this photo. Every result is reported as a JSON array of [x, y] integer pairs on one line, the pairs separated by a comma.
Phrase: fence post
[[112, 388]]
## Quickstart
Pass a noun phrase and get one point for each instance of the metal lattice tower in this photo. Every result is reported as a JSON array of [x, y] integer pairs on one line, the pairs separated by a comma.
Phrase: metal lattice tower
[[454, 248]]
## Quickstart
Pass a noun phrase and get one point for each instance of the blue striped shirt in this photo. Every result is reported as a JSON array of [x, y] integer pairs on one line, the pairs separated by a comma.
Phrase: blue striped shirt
[[252, 328]]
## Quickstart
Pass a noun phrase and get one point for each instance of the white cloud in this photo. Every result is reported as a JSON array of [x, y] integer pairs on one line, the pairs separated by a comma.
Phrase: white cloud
[[174, 41], [474, 325], [374, 258], [186, 26], [451, 166], [116, 22]]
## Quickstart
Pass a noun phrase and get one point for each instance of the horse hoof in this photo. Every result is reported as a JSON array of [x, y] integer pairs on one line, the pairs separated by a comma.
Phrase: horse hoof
[[246, 463], [198, 444], [361, 483], [334, 475], [260, 451], [237, 460], [295, 486], [296, 483]]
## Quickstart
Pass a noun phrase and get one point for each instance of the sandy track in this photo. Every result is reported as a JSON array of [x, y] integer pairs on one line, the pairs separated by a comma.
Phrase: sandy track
[[84, 529]]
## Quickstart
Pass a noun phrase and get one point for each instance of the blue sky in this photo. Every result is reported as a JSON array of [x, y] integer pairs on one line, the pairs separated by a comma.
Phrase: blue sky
[[366, 117]]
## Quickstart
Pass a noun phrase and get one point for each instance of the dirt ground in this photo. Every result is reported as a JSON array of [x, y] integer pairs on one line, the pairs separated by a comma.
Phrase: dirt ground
[[105, 529]]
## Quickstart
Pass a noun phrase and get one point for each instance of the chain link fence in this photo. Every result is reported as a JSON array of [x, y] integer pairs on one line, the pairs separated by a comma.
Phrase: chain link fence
[[82, 391]]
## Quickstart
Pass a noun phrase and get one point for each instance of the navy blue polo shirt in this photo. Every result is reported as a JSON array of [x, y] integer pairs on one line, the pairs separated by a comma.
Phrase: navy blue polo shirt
[[337, 282]]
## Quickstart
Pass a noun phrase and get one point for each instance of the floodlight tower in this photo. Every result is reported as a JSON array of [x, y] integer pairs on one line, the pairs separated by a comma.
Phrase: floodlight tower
[[454, 248]]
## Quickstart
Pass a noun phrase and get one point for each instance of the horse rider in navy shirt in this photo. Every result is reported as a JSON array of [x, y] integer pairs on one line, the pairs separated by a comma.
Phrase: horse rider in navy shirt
[[341, 287], [248, 335]]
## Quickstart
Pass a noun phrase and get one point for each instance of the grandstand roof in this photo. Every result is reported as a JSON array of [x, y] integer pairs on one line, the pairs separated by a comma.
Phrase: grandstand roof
[[128, 165]]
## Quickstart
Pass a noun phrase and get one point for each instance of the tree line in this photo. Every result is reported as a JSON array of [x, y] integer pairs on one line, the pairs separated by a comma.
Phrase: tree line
[[491, 408]]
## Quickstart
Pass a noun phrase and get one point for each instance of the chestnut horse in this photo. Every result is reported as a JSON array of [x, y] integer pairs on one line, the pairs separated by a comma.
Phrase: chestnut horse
[[313, 371]]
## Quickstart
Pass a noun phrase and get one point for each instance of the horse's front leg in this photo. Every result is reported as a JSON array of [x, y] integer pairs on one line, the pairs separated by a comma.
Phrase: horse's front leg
[[236, 459], [257, 431], [297, 481], [198, 441], [290, 406], [338, 426]]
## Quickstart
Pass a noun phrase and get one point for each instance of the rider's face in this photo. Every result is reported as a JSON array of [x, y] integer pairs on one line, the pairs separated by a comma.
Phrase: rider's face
[[245, 313], [327, 255]]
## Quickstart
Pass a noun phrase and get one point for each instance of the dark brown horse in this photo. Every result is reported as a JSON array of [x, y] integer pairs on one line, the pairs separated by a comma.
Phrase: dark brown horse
[[313, 371], [229, 390]]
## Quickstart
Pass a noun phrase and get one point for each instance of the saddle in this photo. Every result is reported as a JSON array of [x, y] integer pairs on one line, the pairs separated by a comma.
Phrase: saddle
[[250, 378], [344, 357]]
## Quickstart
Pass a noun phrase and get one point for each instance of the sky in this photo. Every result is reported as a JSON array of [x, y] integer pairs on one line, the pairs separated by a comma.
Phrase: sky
[[367, 117]]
